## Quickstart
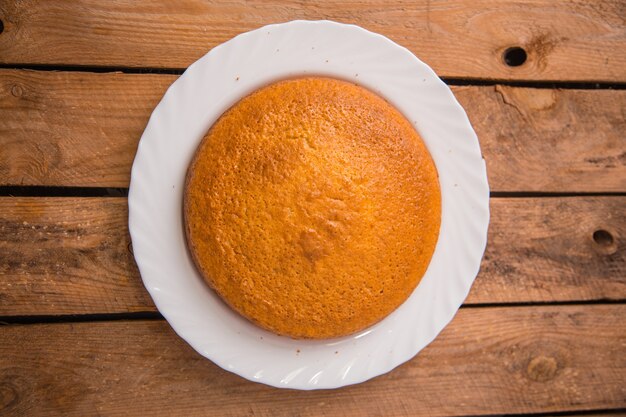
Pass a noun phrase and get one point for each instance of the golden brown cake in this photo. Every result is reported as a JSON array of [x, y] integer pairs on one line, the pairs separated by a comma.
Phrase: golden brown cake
[[312, 207]]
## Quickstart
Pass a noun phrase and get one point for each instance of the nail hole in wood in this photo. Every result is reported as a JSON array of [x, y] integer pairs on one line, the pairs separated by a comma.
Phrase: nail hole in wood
[[602, 237], [514, 56]]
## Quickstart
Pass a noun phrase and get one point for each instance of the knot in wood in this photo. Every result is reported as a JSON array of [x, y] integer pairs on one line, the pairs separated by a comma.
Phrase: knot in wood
[[542, 368], [8, 396], [605, 242], [17, 91]]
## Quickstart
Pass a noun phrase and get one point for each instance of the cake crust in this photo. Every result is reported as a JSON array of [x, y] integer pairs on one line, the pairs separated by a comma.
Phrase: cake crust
[[312, 207]]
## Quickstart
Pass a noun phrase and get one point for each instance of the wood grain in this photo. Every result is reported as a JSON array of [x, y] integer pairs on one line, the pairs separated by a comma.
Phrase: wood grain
[[73, 129], [67, 256], [487, 361], [72, 255], [82, 129], [568, 40]]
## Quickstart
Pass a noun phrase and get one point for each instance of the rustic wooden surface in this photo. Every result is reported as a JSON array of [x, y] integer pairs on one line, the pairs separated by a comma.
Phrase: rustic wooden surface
[[82, 129], [488, 361], [568, 40], [72, 255], [543, 328]]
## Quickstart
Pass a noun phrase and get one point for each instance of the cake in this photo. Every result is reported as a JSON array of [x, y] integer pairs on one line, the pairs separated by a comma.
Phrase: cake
[[312, 207]]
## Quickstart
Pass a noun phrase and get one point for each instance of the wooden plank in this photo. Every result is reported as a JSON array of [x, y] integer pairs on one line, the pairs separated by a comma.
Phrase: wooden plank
[[487, 361], [71, 255], [67, 256], [74, 129], [547, 249], [570, 40], [82, 129]]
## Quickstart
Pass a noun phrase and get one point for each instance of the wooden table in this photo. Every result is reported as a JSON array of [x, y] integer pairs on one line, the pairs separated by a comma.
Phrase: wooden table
[[544, 328]]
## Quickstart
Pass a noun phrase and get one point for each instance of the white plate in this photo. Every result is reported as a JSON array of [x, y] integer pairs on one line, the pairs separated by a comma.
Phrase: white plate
[[209, 87]]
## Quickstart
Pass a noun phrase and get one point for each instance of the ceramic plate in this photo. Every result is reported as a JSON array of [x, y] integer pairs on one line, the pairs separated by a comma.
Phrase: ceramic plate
[[213, 84]]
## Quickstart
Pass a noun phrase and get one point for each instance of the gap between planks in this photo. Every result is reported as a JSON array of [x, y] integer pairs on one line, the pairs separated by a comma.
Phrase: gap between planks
[[155, 315], [466, 82], [61, 191], [587, 413]]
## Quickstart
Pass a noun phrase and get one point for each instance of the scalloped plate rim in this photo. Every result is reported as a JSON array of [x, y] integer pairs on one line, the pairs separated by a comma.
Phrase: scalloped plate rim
[[173, 312]]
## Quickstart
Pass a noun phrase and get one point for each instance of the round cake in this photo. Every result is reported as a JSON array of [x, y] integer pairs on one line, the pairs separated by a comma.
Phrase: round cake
[[312, 207]]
